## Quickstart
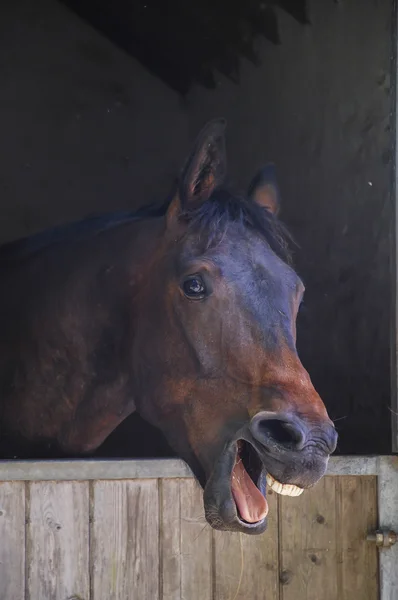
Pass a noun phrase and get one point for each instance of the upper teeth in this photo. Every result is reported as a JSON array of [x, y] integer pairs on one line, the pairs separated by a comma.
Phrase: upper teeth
[[285, 489]]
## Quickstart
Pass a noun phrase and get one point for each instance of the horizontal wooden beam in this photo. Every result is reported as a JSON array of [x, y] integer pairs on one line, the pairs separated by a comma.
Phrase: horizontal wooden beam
[[82, 470]]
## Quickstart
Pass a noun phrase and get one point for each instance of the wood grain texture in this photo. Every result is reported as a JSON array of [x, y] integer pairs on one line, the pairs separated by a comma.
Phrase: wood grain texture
[[12, 540], [308, 531], [170, 540], [125, 540], [196, 545], [149, 539], [253, 557], [58, 540], [356, 501]]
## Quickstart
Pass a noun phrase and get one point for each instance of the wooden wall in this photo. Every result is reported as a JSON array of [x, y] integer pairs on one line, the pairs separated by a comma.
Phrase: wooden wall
[[146, 539], [84, 128]]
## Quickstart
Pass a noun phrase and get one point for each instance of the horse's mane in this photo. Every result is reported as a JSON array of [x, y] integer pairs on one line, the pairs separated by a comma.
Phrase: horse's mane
[[211, 219], [91, 225]]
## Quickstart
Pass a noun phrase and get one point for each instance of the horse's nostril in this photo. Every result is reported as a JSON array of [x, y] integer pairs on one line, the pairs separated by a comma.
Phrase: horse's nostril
[[283, 432], [278, 431]]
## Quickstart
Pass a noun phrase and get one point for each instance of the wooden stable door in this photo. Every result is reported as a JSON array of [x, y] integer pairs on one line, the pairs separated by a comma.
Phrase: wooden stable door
[[115, 530], [315, 548]]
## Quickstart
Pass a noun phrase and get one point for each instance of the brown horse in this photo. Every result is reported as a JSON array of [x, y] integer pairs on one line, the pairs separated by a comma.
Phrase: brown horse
[[185, 313]]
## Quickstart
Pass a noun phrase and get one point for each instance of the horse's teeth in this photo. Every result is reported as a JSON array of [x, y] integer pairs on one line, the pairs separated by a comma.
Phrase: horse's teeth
[[285, 489]]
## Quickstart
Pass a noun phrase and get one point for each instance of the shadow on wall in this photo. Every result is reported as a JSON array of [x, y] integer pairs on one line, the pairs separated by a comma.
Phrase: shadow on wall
[[84, 127]]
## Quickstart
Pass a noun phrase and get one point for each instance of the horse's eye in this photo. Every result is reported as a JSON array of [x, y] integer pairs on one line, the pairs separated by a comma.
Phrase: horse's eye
[[194, 287]]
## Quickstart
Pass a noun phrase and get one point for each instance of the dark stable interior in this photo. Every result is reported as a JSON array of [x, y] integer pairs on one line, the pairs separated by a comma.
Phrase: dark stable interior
[[107, 118]]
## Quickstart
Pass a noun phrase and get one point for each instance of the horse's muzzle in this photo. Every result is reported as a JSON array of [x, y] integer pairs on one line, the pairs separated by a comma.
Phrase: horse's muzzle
[[281, 450], [286, 432]]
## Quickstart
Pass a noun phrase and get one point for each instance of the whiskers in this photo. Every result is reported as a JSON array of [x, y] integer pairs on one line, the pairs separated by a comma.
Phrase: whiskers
[[223, 539], [339, 418], [214, 517], [241, 567]]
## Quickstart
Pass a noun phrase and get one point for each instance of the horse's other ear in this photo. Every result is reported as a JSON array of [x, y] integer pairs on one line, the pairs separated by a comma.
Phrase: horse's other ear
[[264, 189], [204, 170]]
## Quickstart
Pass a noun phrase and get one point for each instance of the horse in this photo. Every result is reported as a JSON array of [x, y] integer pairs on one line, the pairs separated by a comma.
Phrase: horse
[[184, 312]]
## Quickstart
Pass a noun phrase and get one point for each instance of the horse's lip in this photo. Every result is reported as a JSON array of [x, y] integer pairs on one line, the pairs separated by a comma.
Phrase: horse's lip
[[218, 493]]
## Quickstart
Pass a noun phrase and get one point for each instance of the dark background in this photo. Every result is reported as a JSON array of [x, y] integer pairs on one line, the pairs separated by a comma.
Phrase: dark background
[[86, 127]]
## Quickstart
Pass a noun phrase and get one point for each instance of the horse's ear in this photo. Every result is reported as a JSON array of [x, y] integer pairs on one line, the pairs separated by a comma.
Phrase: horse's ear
[[264, 189], [204, 170]]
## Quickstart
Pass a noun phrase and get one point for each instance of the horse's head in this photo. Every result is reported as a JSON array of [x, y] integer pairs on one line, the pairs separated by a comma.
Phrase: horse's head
[[215, 345]]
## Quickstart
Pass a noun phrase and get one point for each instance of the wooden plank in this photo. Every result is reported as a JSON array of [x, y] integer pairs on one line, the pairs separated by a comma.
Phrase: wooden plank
[[125, 540], [170, 539], [388, 518], [353, 465], [186, 542], [357, 506], [308, 544], [247, 566], [94, 469], [12, 540], [58, 540], [196, 544]]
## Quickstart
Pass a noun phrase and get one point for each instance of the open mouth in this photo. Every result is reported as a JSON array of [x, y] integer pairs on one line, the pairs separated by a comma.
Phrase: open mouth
[[249, 481]]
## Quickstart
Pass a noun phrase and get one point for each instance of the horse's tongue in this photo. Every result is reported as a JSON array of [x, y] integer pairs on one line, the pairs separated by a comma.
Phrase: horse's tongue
[[252, 505]]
